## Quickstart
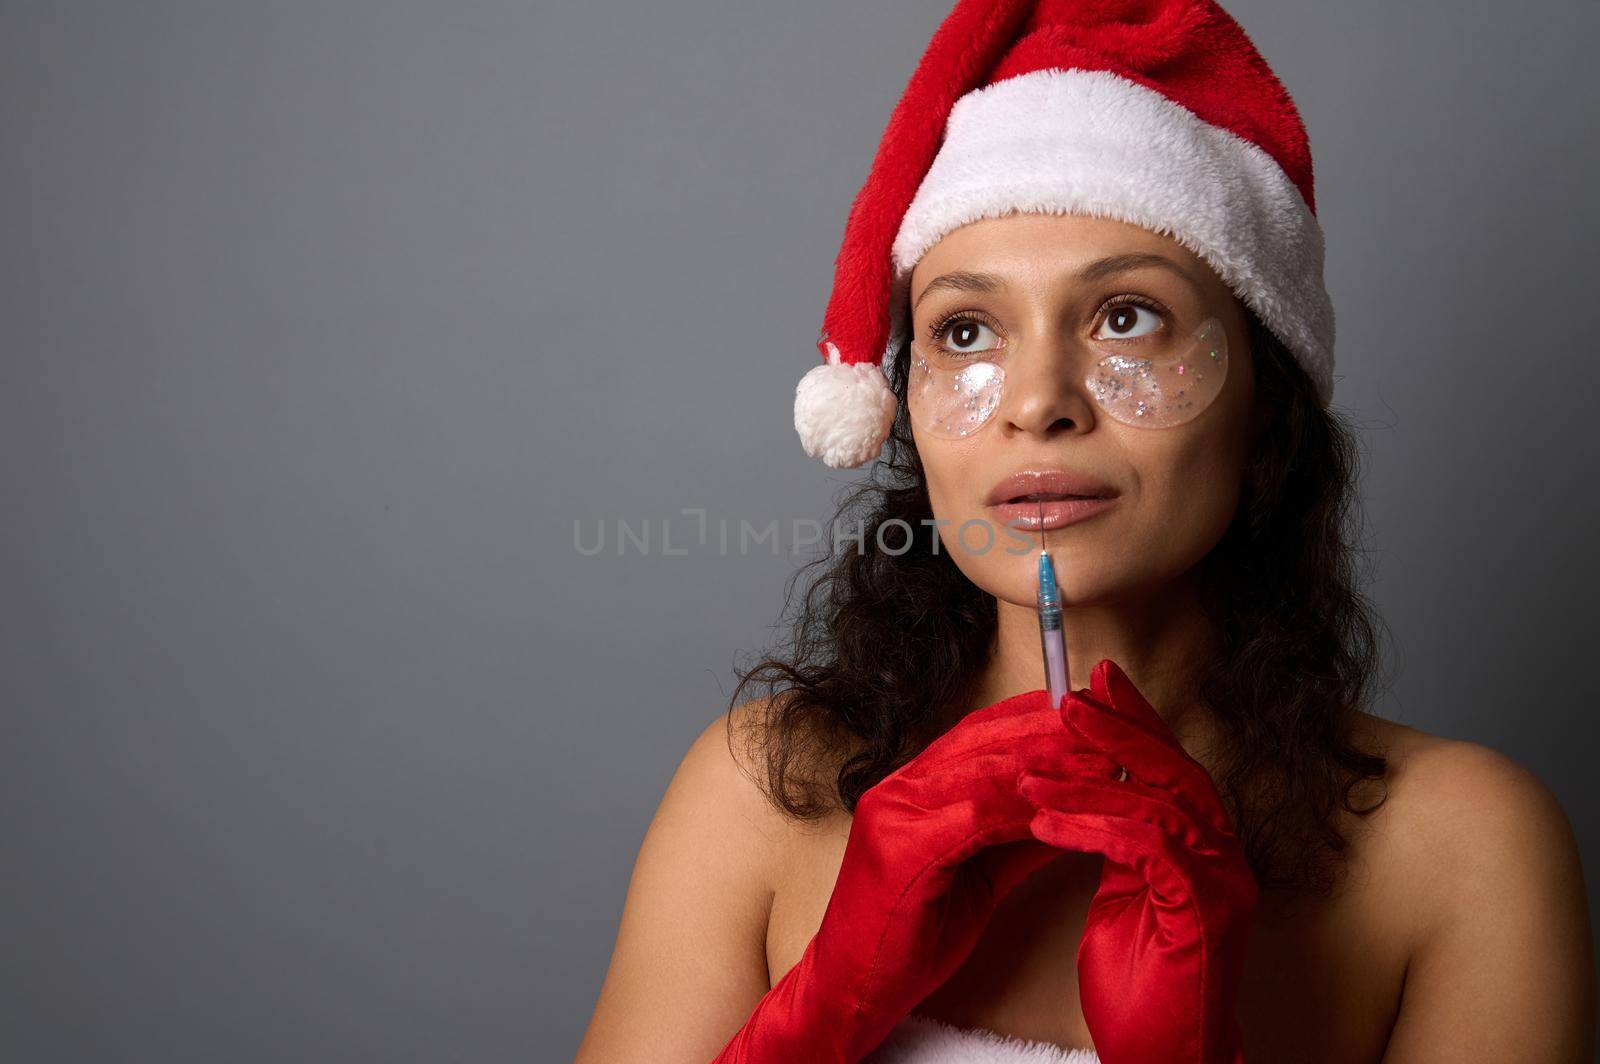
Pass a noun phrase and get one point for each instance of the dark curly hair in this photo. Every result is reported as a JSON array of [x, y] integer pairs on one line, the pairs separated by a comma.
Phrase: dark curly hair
[[890, 634]]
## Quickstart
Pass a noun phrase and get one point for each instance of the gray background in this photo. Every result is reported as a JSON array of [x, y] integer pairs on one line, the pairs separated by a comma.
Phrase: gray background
[[323, 322]]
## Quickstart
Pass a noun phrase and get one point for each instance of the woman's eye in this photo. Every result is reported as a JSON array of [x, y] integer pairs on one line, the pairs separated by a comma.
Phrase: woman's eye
[[965, 336], [1122, 322]]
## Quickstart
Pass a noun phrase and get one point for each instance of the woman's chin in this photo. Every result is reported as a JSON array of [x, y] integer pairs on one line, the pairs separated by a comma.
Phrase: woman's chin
[[1022, 589]]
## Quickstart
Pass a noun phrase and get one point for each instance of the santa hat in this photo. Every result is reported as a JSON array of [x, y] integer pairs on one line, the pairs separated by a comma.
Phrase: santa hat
[[1160, 113]]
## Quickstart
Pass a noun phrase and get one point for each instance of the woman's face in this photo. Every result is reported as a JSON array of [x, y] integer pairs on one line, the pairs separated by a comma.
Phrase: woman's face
[[1055, 306]]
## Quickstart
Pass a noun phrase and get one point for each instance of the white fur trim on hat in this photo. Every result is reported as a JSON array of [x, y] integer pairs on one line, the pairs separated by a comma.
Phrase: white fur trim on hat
[[843, 411], [1091, 142]]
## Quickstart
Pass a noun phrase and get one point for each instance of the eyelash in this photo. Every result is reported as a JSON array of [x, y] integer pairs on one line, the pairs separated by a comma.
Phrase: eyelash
[[938, 330]]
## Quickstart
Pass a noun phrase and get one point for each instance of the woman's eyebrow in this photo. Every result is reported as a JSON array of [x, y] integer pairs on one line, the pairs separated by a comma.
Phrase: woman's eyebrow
[[1135, 260], [962, 281], [969, 281]]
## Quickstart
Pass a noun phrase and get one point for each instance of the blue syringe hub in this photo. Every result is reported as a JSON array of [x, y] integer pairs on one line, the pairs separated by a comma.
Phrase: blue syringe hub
[[1049, 593]]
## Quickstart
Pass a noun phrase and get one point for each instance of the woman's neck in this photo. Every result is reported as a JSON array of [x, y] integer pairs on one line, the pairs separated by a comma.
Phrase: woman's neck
[[1159, 641]]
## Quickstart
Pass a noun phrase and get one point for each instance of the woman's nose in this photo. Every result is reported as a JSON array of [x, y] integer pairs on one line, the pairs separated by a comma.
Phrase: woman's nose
[[1045, 392]]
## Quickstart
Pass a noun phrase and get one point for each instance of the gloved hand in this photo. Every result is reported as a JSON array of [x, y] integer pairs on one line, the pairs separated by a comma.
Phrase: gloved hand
[[1164, 944], [933, 848]]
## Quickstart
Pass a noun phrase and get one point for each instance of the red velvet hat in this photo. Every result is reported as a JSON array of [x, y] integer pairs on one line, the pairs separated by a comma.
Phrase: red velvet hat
[[1160, 113]]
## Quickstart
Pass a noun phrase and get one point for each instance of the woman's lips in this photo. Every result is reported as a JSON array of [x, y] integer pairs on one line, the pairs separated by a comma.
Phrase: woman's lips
[[1043, 515], [1030, 484]]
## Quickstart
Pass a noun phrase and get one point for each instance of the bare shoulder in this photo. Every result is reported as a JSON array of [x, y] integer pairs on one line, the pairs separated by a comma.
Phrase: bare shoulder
[[690, 957], [1464, 803], [1474, 857], [720, 785], [1453, 807]]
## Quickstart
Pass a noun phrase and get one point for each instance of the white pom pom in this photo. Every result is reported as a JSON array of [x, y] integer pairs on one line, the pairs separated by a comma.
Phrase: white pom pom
[[843, 412]]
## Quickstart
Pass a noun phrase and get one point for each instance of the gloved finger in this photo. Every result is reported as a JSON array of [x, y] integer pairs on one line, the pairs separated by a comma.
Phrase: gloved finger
[[1038, 732], [975, 806], [1218, 860], [1117, 719], [943, 784], [963, 796], [938, 822], [1181, 779], [1132, 845], [1129, 798]]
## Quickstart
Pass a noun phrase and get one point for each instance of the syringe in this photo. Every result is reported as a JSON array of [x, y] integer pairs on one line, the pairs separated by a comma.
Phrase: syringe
[[1049, 605]]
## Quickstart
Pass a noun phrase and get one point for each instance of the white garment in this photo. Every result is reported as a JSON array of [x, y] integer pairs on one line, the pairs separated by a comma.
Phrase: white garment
[[923, 1040]]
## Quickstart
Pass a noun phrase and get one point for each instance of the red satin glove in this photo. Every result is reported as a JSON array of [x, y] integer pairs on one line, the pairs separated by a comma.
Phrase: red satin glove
[[1164, 944], [933, 848]]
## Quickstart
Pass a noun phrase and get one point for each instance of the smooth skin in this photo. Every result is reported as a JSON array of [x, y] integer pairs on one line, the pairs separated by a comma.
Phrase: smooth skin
[[1462, 931]]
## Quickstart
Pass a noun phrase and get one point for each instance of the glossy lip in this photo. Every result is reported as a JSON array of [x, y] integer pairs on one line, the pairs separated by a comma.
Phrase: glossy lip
[[1058, 482], [1042, 517]]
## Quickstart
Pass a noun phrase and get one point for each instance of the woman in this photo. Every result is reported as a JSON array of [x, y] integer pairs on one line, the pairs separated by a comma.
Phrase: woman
[[1088, 256]]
